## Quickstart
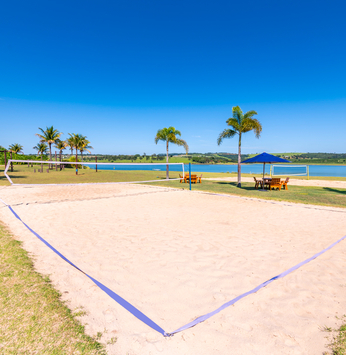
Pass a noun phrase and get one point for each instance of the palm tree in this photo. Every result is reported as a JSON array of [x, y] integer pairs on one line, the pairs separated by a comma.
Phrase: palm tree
[[170, 135], [76, 142], [41, 149], [240, 123], [50, 136], [84, 146], [16, 148], [61, 145], [69, 143]]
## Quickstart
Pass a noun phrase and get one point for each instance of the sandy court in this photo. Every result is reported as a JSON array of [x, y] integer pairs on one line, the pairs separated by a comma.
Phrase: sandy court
[[177, 255]]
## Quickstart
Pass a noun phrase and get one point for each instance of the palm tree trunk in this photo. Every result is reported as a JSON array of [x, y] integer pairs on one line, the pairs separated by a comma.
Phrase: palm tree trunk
[[60, 158], [81, 154], [167, 169], [50, 155], [239, 162]]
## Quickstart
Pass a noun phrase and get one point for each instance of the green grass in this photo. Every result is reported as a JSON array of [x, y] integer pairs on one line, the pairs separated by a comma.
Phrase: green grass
[[33, 318], [339, 342], [338, 339]]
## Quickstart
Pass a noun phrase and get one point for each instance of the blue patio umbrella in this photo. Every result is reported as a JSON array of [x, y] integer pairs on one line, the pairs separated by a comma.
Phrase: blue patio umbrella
[[265, 158]]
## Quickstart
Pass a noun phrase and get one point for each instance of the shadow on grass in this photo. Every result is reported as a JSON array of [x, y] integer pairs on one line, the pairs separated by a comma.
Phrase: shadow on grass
[[338, 191], [234, 184], [4, 178]]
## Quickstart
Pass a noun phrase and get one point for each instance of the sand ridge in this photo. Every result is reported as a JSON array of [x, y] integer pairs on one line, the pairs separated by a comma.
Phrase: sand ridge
[[177, 255]]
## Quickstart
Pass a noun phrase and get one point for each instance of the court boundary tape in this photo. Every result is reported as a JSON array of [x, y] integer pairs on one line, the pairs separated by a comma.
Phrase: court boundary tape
[[141, 316]]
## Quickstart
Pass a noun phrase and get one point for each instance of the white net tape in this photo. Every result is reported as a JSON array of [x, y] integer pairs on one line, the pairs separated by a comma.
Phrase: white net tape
[[290, 170], [115, 167]]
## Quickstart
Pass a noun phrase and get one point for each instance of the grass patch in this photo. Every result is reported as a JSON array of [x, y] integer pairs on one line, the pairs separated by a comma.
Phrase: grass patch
[[338, 341], [33, 318]]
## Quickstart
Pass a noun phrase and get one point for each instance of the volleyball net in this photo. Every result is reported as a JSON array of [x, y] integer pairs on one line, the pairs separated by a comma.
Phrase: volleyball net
[[32, 172], [289, 170]]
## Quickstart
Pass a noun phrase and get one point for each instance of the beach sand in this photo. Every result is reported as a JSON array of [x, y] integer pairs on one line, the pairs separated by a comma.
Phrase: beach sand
[[177, 255]]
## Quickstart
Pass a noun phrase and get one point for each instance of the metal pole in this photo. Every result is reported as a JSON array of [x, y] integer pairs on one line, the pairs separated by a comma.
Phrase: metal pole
[[264, 166], [11, 162], [76, 161], [96, 162], [190, 174]]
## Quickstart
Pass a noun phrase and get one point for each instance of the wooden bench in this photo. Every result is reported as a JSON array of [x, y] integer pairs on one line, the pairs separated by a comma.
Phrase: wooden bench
[[182, 178], [258, 183], [284, 183], [275, 183], [194, 178]]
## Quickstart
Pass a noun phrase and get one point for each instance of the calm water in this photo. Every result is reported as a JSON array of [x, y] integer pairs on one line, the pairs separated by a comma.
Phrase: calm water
[[314, 170]]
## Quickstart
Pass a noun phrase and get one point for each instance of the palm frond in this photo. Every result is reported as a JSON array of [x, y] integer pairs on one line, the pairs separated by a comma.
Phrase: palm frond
[[237, 114], [167, 134], [50, 135], [250, 114], [16, 148], [252, 124], [227, 133], [182, 143], [233, 122], [41, 148]]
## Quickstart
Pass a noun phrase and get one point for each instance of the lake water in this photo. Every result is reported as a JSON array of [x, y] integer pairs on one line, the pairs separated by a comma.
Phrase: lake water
[[314, 170]]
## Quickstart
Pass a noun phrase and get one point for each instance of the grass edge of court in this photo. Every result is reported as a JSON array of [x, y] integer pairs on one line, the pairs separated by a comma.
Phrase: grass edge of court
[[42, 321]]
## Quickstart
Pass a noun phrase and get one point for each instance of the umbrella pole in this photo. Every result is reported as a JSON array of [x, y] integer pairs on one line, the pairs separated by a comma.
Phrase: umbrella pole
[[264, 166]]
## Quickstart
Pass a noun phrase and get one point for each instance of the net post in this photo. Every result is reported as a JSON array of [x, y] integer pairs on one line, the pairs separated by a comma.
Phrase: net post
[[11, 162], [190, 175], [96, 163], [76, 161]]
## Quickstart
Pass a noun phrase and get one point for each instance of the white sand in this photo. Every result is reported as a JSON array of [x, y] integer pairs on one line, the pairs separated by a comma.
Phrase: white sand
[[177, 255]]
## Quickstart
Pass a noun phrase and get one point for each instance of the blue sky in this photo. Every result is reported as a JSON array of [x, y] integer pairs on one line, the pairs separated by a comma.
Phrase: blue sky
[[117, 71]]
